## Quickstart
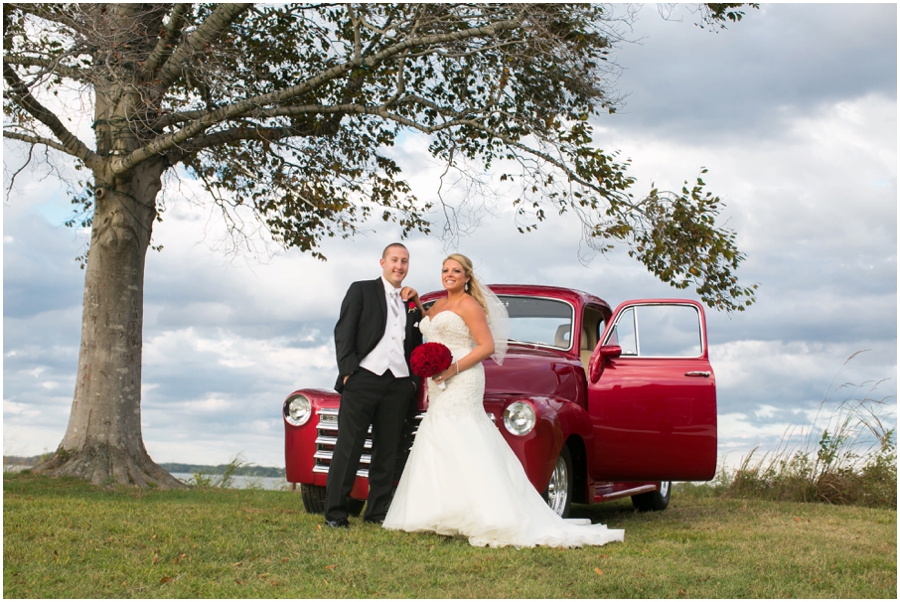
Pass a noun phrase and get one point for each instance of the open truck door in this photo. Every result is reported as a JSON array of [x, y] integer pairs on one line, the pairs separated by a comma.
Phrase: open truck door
[[652, 394]]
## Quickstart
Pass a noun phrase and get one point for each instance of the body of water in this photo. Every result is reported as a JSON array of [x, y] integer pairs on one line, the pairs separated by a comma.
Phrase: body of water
[[241, 482]]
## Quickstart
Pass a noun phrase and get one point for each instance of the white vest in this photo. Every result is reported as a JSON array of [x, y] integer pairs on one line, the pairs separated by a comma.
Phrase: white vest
[[388, 353]]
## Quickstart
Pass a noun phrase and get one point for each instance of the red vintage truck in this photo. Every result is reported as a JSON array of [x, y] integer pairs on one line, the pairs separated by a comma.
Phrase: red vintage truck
[[597, 404]]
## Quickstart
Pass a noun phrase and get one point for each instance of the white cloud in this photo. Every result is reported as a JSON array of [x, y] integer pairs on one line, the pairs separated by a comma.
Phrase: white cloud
[[741, 363], [18, 409], [212, 403], [738, 428], [766, 411], [36, 372]]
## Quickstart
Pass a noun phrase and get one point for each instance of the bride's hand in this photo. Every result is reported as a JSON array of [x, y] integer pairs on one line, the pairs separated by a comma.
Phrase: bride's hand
[[408, 293], [443, 376]]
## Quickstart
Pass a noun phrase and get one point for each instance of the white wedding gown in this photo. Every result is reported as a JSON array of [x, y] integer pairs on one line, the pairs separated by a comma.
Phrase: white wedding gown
[[462, 478]]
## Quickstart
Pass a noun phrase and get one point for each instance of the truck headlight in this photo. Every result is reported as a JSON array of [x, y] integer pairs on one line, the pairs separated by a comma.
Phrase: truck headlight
[[297, 410], [519, 418]]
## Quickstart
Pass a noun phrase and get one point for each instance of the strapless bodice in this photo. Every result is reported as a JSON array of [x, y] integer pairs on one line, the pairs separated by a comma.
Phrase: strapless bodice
[[450, 329]]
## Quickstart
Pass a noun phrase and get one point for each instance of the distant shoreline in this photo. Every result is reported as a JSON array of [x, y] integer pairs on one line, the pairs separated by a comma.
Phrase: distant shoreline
[[20, 463]]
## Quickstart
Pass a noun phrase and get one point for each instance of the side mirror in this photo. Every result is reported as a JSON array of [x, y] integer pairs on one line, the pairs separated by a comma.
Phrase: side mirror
[[599, 359], [610, 352]]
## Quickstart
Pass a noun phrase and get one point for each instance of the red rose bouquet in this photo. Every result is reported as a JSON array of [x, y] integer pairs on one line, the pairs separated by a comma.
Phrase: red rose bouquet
[[429, 359]]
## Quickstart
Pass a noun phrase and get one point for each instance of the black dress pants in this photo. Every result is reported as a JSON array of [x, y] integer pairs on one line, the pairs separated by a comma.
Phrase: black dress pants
[[382, 402]]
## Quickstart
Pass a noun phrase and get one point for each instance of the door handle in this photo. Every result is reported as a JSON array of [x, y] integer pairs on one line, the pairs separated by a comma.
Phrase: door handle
[[699, 373]]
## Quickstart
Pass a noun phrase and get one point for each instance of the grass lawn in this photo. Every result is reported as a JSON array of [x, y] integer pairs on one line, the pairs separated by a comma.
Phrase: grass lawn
[[64, 538]]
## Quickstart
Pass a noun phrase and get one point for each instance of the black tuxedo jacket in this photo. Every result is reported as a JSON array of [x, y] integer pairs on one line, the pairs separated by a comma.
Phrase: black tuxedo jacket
[[361, 325]]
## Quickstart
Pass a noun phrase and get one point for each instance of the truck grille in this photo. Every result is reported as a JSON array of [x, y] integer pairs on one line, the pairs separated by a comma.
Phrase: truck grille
[[326, 437]]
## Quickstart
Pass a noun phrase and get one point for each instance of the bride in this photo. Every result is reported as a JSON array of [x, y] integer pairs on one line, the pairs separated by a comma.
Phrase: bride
[[461, 477]]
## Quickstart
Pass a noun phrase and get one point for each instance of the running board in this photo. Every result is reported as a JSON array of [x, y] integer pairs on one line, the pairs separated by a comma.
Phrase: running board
[[604, 497]]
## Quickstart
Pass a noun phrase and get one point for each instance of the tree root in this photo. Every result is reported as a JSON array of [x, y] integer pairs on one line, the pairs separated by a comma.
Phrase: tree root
[[105, 465]]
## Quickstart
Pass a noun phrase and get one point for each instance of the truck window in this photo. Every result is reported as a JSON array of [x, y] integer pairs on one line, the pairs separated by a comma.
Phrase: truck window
[[539, 321], [658, 331], [669, 331], [624, 333]]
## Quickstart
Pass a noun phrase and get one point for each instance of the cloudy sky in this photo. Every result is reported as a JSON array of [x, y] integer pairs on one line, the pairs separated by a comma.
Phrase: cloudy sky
[[794, 113]]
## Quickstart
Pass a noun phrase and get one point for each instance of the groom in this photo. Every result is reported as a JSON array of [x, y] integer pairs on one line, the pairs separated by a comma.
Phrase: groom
[[374, 337]]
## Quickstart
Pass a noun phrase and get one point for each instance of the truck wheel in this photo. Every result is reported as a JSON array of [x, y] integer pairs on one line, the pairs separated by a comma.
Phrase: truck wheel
[[313, 498], [559, 491], [653, 500]]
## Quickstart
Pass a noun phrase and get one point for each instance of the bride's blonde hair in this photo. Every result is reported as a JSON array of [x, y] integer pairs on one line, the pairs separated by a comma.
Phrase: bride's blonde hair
[[473, 287]]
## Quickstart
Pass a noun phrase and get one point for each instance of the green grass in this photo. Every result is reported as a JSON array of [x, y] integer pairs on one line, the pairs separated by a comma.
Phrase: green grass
[[64, 538]]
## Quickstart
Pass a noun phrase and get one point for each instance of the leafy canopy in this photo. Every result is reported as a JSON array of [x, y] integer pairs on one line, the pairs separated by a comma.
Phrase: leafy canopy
[[287, 110]]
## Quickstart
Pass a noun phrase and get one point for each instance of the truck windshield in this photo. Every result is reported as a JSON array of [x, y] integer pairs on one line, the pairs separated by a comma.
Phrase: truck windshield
[[537, 321]]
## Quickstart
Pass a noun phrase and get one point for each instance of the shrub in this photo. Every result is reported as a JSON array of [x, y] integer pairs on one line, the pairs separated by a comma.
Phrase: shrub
[[849, 456], [222, 481]]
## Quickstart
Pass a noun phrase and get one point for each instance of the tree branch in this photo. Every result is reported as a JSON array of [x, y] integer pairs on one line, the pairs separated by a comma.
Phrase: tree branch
[[52, 66], [69, 142], [15, 174], [42, 12], [208, 31], [164, 47], [36, 140], [166, 143], [236, 134], [275, 133]]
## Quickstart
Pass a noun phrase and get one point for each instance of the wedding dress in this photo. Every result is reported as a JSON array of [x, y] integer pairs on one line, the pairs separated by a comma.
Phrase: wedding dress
[[462, 478]]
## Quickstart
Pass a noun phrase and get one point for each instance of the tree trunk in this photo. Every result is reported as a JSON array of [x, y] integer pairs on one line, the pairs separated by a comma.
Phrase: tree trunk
[[103, 442]]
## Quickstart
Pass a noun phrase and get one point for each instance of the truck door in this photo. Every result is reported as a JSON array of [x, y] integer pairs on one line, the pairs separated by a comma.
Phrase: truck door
[[652, 395]]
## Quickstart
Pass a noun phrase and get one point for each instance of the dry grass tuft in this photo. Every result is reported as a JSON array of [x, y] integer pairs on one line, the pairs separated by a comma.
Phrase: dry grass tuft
[[848, 456]]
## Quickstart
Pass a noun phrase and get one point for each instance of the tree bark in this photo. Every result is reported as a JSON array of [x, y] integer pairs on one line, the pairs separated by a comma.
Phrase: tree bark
[[103, 442]]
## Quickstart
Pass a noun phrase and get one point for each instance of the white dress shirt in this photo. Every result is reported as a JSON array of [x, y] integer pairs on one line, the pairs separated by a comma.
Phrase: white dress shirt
[[388, 353]]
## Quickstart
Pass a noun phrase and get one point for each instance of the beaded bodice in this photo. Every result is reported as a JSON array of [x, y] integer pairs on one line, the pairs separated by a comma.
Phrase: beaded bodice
[[465, 391]]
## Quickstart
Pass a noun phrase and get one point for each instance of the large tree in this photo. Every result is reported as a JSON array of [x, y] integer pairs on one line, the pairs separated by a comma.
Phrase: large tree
[[285, 111]]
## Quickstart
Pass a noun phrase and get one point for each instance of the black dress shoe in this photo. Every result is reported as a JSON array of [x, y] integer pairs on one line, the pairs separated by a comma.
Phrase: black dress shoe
[[376, 521], [341, 523]]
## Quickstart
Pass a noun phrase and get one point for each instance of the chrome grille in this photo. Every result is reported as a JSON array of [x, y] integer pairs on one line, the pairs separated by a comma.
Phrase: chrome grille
[[326, 437]]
